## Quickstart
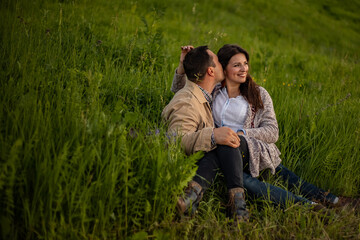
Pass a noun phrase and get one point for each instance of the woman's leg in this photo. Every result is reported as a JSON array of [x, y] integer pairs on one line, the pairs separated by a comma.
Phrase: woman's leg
[[231, 162], [262, 189], [309, 190], [277, 195]]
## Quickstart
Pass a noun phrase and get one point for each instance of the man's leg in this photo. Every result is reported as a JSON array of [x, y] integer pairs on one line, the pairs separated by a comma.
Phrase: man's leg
[[231, 164], [244, 151], [205, 174], [207, 169]]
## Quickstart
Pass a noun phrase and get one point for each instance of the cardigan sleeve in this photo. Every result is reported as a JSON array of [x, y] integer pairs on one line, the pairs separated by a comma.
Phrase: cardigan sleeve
[[266, 126], [178, 82]]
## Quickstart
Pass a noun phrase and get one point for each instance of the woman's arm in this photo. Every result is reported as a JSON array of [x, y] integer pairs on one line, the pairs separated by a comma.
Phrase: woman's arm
[[178, 82], [266, 126], [179, 78], [184, 51]]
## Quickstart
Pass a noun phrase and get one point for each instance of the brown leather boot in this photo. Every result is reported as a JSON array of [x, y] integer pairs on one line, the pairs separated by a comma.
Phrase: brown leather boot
[[189, 203], [238, 205]]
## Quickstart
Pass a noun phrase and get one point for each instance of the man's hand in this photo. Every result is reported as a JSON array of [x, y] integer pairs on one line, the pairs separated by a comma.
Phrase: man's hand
[[184, 51], [226, 136]]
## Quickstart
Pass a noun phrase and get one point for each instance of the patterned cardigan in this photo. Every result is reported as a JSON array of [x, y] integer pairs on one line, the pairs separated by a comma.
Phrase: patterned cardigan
[[261, 131]]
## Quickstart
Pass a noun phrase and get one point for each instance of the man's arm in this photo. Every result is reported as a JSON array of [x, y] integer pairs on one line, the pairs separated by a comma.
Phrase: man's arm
[[183, 121]]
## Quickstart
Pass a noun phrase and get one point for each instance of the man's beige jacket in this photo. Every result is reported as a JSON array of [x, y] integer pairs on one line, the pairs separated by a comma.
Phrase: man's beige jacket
[[189, 115]]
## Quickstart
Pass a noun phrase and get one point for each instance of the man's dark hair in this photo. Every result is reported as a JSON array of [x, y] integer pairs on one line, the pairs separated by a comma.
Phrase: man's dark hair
[[196, 63]]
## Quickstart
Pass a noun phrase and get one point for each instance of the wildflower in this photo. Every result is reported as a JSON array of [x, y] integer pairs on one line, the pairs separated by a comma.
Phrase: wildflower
[[194, 8], [156, 132], [283, 84], [264, 79], [288, 84]]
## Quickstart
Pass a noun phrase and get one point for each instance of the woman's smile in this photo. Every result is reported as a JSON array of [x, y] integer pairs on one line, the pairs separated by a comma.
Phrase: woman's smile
[[237, 69]]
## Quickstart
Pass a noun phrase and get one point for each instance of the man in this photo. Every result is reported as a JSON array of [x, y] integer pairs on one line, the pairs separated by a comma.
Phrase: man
[[189, 115]]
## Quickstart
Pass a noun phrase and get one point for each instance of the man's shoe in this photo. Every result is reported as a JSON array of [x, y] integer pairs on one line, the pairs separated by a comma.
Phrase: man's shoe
[[237, 205], [189, 203]]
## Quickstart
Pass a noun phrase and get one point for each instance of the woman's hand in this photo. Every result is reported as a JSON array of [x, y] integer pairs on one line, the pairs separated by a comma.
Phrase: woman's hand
[[184, 51], [240, 133]]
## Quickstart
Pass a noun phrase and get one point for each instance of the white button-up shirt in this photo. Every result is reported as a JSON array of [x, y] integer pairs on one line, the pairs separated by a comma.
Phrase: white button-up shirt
[[229, 112]]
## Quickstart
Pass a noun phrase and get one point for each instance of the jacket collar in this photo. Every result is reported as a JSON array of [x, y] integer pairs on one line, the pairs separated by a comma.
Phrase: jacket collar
[[193, 87]]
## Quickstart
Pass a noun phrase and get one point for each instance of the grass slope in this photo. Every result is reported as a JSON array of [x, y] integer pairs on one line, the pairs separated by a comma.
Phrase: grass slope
[[83, 83]]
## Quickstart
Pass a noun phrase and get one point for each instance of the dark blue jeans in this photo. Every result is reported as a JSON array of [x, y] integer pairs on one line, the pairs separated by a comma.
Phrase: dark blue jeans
[[277, 195]]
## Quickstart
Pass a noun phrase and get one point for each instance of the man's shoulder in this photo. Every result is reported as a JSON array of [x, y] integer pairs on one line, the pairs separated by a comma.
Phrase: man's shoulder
[[188, 93], [183, 97]]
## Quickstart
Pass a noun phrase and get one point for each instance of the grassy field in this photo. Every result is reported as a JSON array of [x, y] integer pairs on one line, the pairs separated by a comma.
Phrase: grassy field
[[83, 83]]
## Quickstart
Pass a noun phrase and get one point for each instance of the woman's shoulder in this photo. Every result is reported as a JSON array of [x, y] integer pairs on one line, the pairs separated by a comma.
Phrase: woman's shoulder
[[265, 96], [217, 87], [216, 90], [263, 91]]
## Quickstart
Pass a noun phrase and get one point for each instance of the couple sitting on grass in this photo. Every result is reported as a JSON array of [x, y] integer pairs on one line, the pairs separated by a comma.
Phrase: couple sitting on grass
[[220, 110]]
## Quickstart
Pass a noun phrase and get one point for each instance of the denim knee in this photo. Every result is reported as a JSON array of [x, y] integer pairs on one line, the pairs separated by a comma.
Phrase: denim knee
[[253, 185]]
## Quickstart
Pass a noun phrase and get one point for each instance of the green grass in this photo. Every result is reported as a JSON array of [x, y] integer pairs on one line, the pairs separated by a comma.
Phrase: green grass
[[83, 84]]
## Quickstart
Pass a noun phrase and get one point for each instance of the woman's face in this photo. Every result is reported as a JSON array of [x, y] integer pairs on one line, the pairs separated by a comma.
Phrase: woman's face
[[237, 69]]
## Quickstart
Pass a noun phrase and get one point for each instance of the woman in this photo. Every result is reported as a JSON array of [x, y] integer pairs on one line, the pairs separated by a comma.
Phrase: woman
[[245, 107]]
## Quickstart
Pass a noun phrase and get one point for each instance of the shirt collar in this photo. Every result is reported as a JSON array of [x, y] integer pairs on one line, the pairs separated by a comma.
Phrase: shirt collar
[[207, 95]]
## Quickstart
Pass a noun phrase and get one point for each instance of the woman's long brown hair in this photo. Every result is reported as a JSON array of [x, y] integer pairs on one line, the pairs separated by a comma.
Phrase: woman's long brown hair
[[249, 89]]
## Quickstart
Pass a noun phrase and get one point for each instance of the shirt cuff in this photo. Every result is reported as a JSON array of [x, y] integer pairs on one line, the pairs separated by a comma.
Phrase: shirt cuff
[[241, 129], [213, 142]]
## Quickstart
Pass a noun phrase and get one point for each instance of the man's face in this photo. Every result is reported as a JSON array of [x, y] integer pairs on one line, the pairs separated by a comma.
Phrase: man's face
[[219, 73]]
